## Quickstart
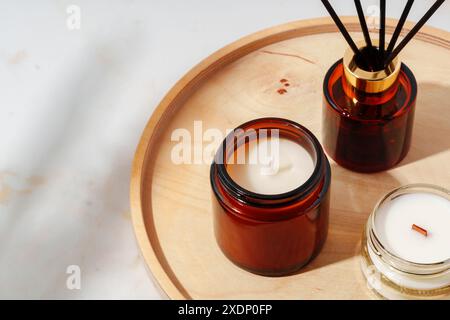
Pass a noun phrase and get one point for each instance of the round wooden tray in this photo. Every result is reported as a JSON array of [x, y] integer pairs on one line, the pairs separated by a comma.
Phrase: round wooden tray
[[171, 203]]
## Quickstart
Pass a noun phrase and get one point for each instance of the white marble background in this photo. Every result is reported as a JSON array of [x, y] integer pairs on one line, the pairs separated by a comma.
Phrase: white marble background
[[72, 107]]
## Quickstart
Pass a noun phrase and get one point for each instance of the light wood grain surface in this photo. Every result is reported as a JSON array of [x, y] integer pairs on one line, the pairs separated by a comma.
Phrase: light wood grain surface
[[171, 203]]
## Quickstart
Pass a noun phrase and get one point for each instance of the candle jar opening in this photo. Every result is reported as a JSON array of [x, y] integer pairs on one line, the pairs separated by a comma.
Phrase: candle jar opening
[[270, 234], [393, 277]]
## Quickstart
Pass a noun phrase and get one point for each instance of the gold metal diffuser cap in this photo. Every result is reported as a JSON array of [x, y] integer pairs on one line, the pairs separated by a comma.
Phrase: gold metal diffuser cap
[[369, 81]]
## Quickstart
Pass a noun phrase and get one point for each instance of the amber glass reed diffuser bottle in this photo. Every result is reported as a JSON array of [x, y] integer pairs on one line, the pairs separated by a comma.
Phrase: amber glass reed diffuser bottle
[[370, 96], [368, 115]]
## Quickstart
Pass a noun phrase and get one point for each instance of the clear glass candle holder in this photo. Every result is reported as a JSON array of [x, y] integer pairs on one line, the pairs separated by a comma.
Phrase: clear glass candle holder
[[393, 277]]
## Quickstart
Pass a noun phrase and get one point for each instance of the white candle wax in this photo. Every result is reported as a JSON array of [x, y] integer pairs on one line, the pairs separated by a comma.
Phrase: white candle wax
[[272, 170], [394, 220], [393, 223]]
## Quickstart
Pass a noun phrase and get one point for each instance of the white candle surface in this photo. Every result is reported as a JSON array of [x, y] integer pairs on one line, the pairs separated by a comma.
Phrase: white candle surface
[[394, 220], [272, 171]]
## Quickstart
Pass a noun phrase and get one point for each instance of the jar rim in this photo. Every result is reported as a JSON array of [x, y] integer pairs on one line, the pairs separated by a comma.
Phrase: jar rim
[[258, 199], [392, 259]]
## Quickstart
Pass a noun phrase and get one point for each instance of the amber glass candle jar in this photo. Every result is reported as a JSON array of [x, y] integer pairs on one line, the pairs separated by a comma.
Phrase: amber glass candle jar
[[270, 234], [368, 115]]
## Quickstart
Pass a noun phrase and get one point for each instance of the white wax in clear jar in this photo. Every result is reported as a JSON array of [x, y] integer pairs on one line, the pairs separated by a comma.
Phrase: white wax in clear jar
[[393, 225], [272, 169]]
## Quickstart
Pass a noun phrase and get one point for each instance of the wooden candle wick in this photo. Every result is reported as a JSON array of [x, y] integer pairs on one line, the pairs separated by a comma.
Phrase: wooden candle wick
[[422, 231]]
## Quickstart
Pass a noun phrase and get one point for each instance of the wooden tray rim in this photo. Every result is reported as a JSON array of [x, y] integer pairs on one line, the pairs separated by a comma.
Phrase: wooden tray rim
[[180, 91]]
